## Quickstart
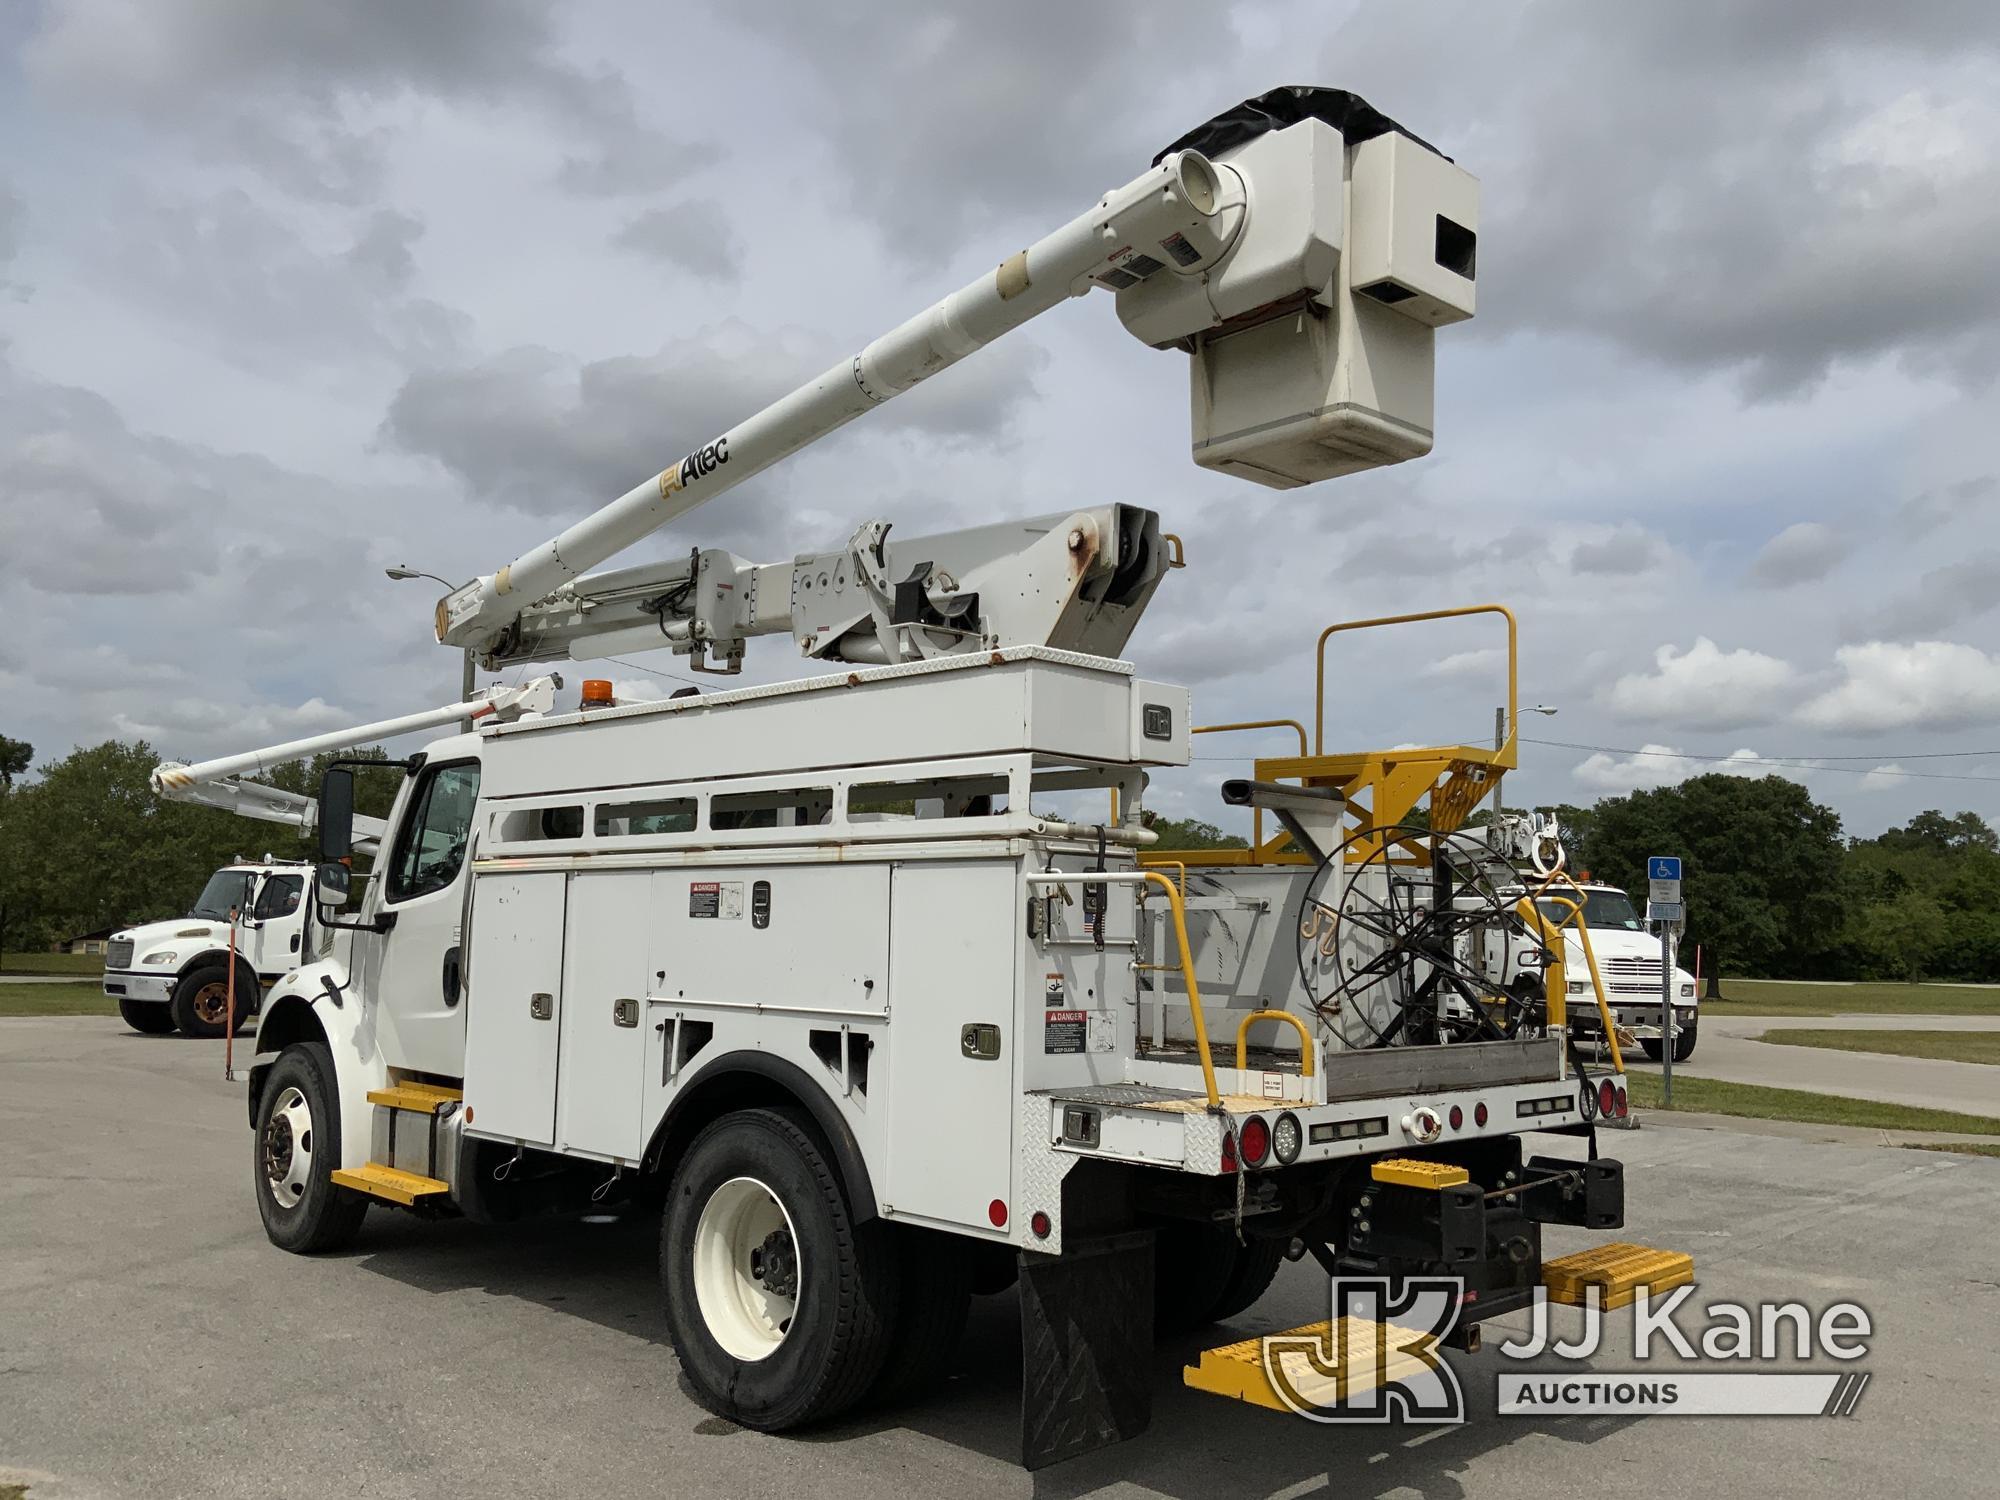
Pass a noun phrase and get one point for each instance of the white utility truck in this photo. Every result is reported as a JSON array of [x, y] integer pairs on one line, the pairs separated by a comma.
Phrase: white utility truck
[[175, 974], [861, 978]]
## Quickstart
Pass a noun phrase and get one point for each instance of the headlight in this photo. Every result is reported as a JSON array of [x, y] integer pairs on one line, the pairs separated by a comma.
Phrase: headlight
[[1579, 986], [1687, 991], [158, 958]]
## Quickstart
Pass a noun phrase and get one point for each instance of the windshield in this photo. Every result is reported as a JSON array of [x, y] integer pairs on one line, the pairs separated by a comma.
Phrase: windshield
[[1601, 909], [226, 890]]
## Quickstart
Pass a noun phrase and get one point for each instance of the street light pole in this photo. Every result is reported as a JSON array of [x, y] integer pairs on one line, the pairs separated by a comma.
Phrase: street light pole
[[465, 681]]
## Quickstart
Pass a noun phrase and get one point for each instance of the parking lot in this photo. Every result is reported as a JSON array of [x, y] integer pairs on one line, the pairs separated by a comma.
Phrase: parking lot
[[152, 1343]]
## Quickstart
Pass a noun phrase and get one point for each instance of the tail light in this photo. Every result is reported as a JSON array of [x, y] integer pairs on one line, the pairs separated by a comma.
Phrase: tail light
[[1256, 1141], [1622, 1107], [1457, 1118], [1480, 1114], [1229, 1151], [1607, 1099]]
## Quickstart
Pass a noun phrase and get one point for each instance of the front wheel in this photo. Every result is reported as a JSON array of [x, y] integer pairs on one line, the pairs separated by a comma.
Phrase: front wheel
[[296, 1149], [147, 1016], [200, 1006], [779, 1305], [1683, 1043]]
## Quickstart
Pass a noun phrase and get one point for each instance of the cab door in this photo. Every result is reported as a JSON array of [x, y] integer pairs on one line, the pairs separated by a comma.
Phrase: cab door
[[416, 986], [277, 924]]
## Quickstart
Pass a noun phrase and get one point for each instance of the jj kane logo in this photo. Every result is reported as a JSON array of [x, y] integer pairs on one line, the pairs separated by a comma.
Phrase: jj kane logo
[[1378, 1359]]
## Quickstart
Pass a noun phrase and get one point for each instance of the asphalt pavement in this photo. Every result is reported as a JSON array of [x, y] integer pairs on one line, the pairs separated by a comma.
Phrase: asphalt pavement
[[152, 1343]]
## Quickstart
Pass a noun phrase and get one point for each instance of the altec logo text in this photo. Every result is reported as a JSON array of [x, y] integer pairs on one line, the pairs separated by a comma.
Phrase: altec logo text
[[1378, 1359]]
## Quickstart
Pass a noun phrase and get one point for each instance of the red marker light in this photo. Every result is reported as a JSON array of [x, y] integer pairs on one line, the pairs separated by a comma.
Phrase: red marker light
[[997, 1212], [1040, 1224]]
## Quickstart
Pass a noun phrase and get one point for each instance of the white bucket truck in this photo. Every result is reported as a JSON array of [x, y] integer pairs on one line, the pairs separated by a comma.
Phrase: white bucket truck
[[847, 975]]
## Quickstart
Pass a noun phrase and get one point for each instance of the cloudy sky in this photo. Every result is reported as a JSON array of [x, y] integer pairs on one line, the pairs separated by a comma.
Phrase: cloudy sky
[[292, 293]]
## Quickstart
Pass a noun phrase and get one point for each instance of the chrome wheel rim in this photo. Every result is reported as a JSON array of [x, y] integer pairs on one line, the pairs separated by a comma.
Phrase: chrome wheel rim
[[288, 1148]]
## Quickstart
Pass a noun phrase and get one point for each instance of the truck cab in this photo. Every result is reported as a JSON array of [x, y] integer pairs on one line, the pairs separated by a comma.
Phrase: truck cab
[[175, 974], [1628, 958]]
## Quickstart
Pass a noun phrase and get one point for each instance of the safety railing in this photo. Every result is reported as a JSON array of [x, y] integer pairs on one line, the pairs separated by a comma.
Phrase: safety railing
[[1154, 877], [1557, 989], [1243, 1038], [1504, 753]]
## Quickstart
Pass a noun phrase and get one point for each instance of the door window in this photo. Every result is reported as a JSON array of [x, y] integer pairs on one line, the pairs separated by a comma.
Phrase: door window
[[430, 846], [280, 896]]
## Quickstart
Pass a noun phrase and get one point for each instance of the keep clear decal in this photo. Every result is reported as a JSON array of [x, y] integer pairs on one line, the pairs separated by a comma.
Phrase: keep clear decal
[[715, 898], [1062, 1030]]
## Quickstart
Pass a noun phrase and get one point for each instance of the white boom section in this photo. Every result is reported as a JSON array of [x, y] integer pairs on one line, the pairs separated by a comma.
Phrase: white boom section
[[270, 804], [1177, 199], [214, 783]]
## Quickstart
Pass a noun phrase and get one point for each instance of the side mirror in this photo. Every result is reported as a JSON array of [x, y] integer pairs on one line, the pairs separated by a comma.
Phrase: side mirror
[[336, 816], [336, 883]]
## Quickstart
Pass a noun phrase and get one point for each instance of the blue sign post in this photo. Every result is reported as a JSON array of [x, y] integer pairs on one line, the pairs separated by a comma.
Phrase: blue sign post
[[1663, 876]]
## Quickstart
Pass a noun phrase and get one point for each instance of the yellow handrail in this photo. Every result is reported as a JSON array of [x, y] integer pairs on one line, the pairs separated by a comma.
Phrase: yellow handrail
[[1305, 1038], [1187, 978], [1167, 864], [1558, 1015], [1504, 756]]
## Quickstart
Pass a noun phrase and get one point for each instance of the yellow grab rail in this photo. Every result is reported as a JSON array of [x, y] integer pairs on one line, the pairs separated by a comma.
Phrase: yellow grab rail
[[1504, 755], [1305, 1039], [1552, 934], [1154, 877], [1167, 864]]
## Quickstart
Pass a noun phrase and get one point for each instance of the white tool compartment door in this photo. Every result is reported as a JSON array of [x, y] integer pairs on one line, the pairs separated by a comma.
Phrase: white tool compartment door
[[514, 1005], [604, 1013], [952, 946]]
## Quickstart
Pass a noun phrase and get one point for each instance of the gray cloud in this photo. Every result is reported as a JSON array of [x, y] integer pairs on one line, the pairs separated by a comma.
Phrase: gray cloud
[[1625, 551], [13, 214], [534, 430], [275, 86], [943, 121], [1802, 553], [1944, 601], [1770, 190], [694, 236], [1943, 505]]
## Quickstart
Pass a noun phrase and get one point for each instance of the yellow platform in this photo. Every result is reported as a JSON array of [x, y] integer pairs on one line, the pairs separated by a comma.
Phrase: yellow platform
[[390, 1184], [424, 1098], [1314, 1372], [1620, 1271], [1406, 1171]]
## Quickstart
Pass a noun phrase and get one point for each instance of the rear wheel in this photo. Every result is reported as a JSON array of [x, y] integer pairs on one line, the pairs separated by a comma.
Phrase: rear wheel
[[779, 1305], [933, 1298], [148, 1016], [297, 1146], [1256, 1267], [1201, 1275], [200, 1006]]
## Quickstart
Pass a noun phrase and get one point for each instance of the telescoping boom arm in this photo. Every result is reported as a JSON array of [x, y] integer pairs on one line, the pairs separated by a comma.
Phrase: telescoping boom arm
[[1302, 248], [219, 783]]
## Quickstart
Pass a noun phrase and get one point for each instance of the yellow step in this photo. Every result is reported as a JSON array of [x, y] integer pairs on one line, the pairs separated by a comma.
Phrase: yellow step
[[389, 1183], [1405, 1171], [1314, 1371], [424, 1098], [1620, 1271]]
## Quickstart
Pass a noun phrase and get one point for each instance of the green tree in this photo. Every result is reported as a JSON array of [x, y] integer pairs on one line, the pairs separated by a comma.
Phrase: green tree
[[15, 758], [1762, 866], [1191, 833]]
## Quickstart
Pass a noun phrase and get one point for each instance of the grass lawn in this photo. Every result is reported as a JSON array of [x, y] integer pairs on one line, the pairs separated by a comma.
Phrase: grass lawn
[[52, 963], [1755, 1102], [55, 999], [1950, 1046], [1958, 1148], [1763, 997]]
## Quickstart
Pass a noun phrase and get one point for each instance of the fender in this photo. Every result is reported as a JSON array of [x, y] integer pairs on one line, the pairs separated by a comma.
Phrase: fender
[[248, 981], [299, 1011], [749, 1079]]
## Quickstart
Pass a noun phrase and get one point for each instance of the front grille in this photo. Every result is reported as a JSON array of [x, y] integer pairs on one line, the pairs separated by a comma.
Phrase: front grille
[[118, 953]]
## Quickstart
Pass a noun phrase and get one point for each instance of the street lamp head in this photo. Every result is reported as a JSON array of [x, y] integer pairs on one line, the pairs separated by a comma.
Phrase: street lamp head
[[1542, 709], [401, 573]]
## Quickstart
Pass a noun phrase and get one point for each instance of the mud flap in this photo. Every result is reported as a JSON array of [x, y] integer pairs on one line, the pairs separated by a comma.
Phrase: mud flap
[[1086, 1347]]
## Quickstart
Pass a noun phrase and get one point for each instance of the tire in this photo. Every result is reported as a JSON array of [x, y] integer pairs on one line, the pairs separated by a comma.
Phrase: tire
[[1683, 1044], [1192, 1265], [755, 1210], [200, 1003], [933, 1297], [148, 1017], [294, 1152], [1256, 1267]]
